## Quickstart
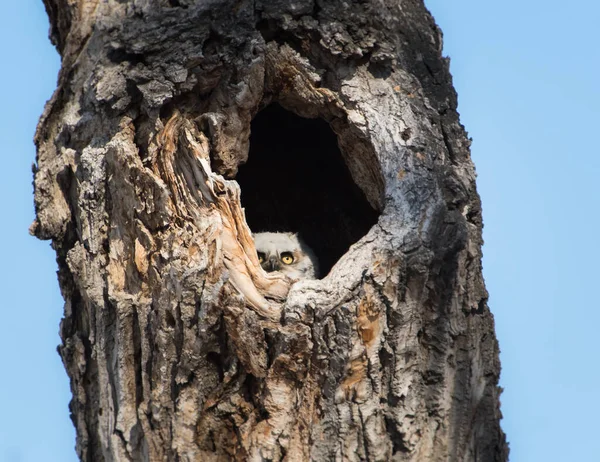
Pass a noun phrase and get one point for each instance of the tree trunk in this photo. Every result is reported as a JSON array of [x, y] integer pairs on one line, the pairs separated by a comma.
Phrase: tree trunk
[[178, 345]]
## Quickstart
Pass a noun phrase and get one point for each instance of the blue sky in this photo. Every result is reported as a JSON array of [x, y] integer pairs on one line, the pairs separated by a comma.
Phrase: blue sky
[[527, 79], [34, 390], [526, 75]]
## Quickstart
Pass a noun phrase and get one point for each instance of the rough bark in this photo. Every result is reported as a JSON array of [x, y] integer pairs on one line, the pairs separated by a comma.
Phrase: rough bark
[[177, 344]]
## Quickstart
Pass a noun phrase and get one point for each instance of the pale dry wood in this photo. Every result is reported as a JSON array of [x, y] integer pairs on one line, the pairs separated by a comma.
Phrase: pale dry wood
[[184, 165]]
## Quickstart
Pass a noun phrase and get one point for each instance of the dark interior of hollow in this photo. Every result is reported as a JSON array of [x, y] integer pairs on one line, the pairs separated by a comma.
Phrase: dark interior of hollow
[[296, 180]]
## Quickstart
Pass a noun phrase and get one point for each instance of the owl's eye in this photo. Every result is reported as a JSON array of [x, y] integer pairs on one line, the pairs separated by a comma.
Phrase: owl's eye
[[261, 257], [287, 258]]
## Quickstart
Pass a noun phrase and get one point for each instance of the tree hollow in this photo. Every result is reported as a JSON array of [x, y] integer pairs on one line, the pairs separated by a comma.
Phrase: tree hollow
[[296, 180]]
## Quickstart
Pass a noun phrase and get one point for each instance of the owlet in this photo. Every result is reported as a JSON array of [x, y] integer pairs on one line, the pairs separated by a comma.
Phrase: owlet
[[287, 253]]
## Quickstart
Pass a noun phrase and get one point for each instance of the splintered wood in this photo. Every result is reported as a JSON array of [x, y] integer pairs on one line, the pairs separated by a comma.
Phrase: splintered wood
[[201, 196]]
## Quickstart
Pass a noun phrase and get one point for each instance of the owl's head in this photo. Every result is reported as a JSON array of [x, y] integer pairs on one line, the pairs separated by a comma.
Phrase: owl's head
[[287, 253]]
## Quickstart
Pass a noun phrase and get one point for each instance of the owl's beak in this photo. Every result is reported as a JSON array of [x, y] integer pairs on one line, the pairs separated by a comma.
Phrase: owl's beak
[[273, 264]]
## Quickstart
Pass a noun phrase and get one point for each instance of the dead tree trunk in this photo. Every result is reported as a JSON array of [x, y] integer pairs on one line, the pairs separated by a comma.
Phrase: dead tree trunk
[[178, 345]]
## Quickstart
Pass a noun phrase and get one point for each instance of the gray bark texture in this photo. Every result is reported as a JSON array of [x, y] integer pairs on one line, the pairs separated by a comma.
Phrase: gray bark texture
[[179, 347]]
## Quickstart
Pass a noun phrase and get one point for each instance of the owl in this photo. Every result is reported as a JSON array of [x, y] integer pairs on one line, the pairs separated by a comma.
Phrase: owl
[[287, 253]]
